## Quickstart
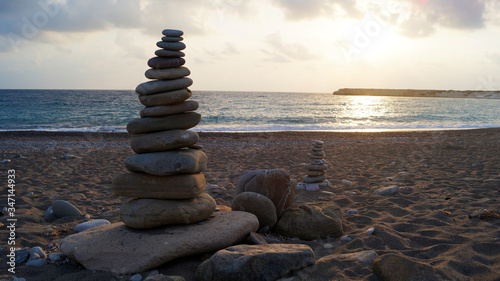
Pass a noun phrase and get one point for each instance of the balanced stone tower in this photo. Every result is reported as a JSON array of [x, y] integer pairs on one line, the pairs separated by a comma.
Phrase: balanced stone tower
[[316, 169], [165, 180]]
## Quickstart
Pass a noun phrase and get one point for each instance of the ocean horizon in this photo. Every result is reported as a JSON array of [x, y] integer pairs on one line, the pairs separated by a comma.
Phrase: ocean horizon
[[235, 111]]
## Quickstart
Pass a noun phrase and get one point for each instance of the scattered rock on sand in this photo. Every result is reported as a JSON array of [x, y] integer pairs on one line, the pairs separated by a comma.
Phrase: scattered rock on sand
[[370, 230], [255, 262], [311, 221], [387, 190], [37, 253], [393, 267], [21, 256], [257, 204], [275, 184], [89, 224], [62, 208], [109, 247]]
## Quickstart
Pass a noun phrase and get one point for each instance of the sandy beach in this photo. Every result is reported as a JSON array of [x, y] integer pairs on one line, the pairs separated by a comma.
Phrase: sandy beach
[[443, 177]]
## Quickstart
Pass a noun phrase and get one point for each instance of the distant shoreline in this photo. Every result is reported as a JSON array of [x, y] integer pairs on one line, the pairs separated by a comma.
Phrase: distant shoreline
[[419, 93]]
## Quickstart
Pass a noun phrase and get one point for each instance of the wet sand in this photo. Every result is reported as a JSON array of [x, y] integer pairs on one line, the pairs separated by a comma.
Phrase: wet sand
[[443, 177]]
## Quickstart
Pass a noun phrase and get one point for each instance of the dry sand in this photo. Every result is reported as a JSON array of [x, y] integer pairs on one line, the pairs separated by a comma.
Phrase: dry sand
[[443, 177]]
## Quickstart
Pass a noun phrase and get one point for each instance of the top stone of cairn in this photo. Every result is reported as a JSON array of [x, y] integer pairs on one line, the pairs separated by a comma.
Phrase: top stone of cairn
[[172, 32]]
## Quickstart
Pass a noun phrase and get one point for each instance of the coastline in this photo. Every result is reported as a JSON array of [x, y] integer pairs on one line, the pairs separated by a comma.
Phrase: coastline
[[443, 176]]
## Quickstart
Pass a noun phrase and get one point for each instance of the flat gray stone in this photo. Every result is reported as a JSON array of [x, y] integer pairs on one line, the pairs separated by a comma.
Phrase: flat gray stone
[[181, 121], [62, 208], [309, 179], [171, 39], [140, 185], [171, 46], [89, 224], [255, 262], [160, 62], [162, 141], [167, 73], [149, 213], [387, 190], [172, 32], [165, 98], [120, 249], [164, 110], [312, 167], [184, 161], [169, 54], [257, 204], [160, 86]]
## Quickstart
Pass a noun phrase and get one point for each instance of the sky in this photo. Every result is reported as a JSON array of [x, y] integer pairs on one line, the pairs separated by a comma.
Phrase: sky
[[315, 46]]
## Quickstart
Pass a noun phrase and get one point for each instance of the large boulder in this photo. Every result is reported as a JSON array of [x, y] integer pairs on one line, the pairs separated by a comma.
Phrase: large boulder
[[123, 250], [310, 221], [257, 204], [255, 262], [149, 213], [392, 267], [274, 184]]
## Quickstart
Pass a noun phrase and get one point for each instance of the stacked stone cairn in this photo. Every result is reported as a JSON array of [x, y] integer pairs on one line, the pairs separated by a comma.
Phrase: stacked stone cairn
[[165, 183], [316, 168]]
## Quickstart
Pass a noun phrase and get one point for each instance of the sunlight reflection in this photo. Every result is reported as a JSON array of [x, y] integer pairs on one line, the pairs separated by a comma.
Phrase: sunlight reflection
[[362, 110]]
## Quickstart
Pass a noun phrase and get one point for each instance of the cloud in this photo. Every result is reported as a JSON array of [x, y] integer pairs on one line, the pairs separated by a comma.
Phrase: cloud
[[286, 52], [309, 9]]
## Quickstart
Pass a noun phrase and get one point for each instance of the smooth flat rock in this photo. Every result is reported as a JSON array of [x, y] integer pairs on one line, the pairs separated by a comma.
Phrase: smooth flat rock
[[274, 184], [162, 141], [392, 267], [310, 221], [172, 38], [140, 185], [62, 208], [181, 121], [165, 98], [164, 110], [120, 249], [333, 266], [149, 213], [169, 54], [309, 179], [183, 161], [171, 46], [257, 204], [315, 173], [161, 63], [255, 262], [89, 224], [312, 167], [387, 190], [172, 32], [167, 73], [160, 86]]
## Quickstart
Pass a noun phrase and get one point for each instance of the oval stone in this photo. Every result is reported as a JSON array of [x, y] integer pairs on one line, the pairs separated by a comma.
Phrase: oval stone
[[171, 39], [259, 205], [159, 62], [163, 110], [162, 141], [172, 32], [171, 46], [169, 54], [171, 122], [89, 224], [313, 167], [308, 179], [184, 161], [140, 185], [315, 173], [167, 73], [62, 208], [160, 86], [149, 213], [166, 98]]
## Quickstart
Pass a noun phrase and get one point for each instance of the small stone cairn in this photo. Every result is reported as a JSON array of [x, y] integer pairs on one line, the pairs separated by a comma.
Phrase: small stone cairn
[[316, 169], [165, 183]]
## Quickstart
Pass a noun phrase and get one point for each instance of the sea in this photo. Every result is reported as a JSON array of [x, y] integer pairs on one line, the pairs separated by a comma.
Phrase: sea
[[111, 110]]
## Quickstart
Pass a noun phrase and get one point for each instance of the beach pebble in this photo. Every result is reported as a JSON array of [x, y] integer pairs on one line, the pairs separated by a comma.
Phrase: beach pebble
[[171, 46], [18, 156], [5, 161], [181, 121], [166, 98], [62, 208], [38, 262], [171, 38], [393, 163], [48, 212], [352, 212], [37, 251], [257, 204], [346, 239], [136, 277], [168, 54], [388, 190], [87, 216], [67, 156], [370, 230], [21, 255], [4, 209], [172, 32], [30, 193], [162, 141], [327, 246], [346, 182], [89, 224], [54, 257], [312, 186], [318, 142], [166, 163]]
